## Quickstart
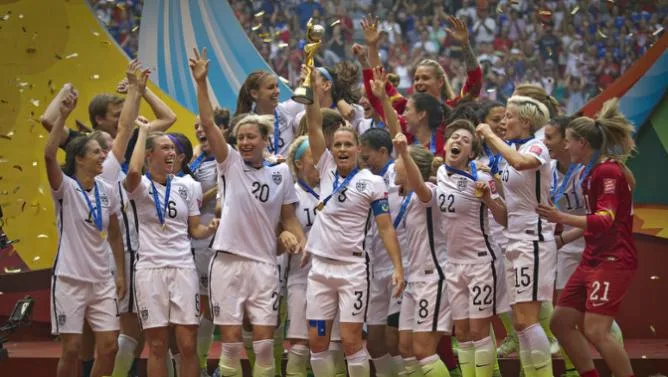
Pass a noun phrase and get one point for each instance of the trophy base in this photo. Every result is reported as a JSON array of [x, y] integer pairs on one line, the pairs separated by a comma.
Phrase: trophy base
[[303, 95]]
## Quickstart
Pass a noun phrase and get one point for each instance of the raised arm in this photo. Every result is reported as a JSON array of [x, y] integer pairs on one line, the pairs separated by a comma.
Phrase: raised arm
[[413, 174], [378, 87], [136, 84], [133, 178], [52, 113], [460, 33], [53, 171], [199, 65], [316, 137], [371, 38], [519, 161]]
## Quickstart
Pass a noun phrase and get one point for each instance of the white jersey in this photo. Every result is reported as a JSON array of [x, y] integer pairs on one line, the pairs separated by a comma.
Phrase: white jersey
[[206, 172], [339, 229], [357, 117], [380, 260], [426, 240], [285, 111], [83, 253], [306, 214], [524, 190], [368, 123], [252, 207], [466, 218], [496, 230], [167, 246], [113, 174], [572, 201]]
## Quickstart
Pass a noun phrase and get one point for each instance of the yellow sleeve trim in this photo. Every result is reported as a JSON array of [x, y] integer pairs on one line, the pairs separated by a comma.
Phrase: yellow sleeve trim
[[607, 213]]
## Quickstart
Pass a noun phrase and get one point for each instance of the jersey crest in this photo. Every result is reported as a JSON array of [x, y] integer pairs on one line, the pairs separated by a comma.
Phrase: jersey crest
[[277, 177], [361, 186], [462, 183], [183, 193]]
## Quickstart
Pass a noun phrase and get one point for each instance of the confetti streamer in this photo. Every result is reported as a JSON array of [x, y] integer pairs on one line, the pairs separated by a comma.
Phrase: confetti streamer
[[42, 235], [575, 10], [95, 33], [259, 14], [336, 22], [282, 45], [654, 277], [602, 35], [134, 29], [658, 31], [651, 327], [18, 167], [95, 77], [256, 27], [34, 163], [72, 55]]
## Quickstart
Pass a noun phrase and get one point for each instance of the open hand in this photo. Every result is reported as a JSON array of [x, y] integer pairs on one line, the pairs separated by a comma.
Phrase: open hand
[[459, 31], [370, 28], [378, 83]]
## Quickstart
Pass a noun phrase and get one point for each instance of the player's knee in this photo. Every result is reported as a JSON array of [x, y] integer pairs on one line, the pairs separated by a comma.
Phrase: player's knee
[[158, 346], [264, 351], [187, 346], [522, 321], [71, 349], [421, 351], [351, 345], [477, 334], [596, 334], [405, 345], [107, 347]]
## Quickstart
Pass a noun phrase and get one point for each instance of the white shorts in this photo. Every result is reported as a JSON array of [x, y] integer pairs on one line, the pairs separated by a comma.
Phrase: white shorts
[[382, 304], [566, 265], [165, 296], [530, 270], [203, 258], [127, 304], [240, 285], [337, 287], [475, 290], [297, 325], [425, 307], [74, 300]]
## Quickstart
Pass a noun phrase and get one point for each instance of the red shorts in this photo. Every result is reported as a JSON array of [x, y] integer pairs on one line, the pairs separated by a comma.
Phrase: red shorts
[[598, 289]]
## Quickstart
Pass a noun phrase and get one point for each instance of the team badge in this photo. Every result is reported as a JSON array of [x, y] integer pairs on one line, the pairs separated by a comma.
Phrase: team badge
[[277, 177], [104, 200], [216, 310], [144, 314], [204, 280], [361, 186], [462, 183], [62, 318], [183, 193]]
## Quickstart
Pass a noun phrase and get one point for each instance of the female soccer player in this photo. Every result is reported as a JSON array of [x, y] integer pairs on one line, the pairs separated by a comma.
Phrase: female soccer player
[[165, 275], [593, 294], [465, 195], [83, 286], [259, 94], [425, 311], [531, 252], [203, 168], [258, 196], [338, 280]]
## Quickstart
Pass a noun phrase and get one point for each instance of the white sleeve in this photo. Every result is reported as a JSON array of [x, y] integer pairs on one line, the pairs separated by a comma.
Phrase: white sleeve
[[295, 122], [140, 191], [114, 202], [434, 197], [111, 169], [196, 198], [290, 196], [291, 108], [538, 150], [233, 157], [379, 189], [60, 191], [325, 163]]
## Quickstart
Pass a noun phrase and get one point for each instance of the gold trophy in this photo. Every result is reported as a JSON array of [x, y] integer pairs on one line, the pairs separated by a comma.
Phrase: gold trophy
[[314, 33]]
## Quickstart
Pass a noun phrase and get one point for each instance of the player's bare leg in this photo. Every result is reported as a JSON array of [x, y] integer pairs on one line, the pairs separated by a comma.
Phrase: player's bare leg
[[186, 339], [565, 325], [157, 340], [106, 347], [68, 364], [597, 331]]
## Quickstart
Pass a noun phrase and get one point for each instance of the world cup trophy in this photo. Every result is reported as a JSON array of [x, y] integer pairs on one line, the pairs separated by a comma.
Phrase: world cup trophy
[[314, 33]]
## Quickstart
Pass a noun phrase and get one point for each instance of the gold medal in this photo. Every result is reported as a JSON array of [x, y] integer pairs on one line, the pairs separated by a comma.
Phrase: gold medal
[[320, 206], [497, 176], [103, 234], [478, 192]]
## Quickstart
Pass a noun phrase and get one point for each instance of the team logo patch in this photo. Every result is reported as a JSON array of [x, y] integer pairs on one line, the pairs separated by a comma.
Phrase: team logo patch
[[361, 186], [385, 207], [144, 314], [216, 310], [536, 149], [62, 318], [104, 200], [609, 185], [183, 193], [462, 183], [492, 186], [277, 177]]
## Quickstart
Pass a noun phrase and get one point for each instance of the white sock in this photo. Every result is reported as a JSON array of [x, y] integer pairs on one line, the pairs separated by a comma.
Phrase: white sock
[[297, 365], [484, 357], [264, 358], [525, 354], [412, 366], [125, 355], [384, 366], [340, 368], [177, 364], [230, 359], [204, 337], [541, 358], [358, 364], [170, 365], [322, 364], [466, 356], [399, 365]]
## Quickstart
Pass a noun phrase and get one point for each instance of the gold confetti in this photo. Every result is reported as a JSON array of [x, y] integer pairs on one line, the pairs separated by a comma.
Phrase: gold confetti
[[72, 55], [263, 35], [5, 17], [95, 33], [654, 277], [602, 35], [105, 42], [546, 13], [23, 84], [41, 190], [34, 36], [18, 167], [12, 271], [20, 16], [549, 51], [35, 102], [134, 29], [267, 40], [34, 163], [282, 45], [575, 10], [23, 206], [35, 259], [658, 31], [336, 22], [95, 77], [42, 235], [256, 27], [259, 14], [611, 1], [652, 329]]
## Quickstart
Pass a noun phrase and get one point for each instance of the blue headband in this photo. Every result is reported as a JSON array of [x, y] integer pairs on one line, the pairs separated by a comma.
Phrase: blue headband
[[177, 143], [301, 149], [325, 73]]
